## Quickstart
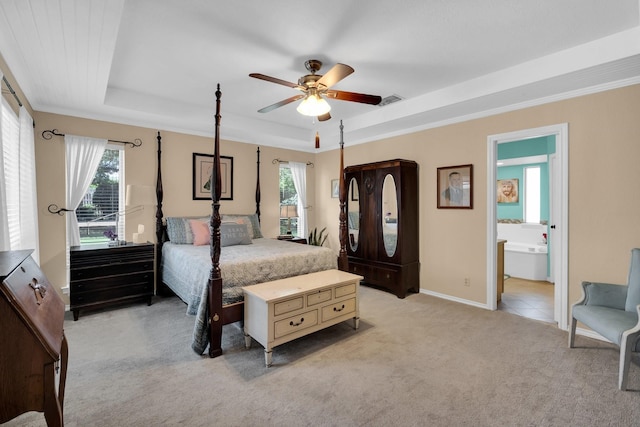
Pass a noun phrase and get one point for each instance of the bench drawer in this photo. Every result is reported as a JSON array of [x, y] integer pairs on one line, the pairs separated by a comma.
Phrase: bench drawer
[[295, 323], [338, 309]]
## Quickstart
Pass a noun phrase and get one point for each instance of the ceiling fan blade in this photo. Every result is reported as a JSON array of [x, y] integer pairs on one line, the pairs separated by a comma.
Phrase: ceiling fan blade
[[276, 80], [281, 103], [324, 117], [335, 74], [353, 97]]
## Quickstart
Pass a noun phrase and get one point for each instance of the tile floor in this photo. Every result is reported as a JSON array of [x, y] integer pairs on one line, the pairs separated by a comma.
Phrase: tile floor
[[528, 298]]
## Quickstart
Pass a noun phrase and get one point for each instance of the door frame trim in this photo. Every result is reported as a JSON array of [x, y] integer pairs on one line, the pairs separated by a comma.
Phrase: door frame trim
[[559, 215]]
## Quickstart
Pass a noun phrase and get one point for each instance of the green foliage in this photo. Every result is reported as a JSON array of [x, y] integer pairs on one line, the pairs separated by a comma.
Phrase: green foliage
[[317, 239], [288, 194]]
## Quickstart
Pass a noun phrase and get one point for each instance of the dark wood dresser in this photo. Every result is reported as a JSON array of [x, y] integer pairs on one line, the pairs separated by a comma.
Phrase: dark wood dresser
[[33, 348], [103, 275], [382, 210]]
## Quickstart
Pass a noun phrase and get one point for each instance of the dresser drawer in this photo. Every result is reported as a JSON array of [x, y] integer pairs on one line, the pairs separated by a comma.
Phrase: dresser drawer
[[318, 297], [338, 309], [295, 323], [123, 267], [108, 282], [288, 306], [134, 290]]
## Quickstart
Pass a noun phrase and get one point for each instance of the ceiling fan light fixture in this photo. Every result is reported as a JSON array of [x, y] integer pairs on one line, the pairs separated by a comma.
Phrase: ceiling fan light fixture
[[313, 105]]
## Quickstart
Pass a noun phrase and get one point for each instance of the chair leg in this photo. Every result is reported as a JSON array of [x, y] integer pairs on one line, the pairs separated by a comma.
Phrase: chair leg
[[572, 332], [625, 361]]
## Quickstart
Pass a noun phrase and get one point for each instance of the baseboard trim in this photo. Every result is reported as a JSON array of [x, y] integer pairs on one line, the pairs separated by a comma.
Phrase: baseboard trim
[[454, 299]]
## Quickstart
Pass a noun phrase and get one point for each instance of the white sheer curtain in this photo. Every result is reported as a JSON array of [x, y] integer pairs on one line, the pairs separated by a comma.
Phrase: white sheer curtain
[[299, 175], [28, 216], [83, 156]]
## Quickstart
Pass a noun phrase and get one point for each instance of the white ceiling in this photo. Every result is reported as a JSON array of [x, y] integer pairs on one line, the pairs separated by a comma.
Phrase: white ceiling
[[156, 63]]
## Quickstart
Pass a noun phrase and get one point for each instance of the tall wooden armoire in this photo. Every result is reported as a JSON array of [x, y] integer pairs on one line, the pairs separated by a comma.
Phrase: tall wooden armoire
[[33, 348], [382, 222]]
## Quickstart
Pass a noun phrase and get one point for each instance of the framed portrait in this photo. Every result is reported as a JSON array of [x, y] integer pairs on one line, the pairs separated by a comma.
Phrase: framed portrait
[[507, 190], [202, 167], [455, 187], [335, 188]]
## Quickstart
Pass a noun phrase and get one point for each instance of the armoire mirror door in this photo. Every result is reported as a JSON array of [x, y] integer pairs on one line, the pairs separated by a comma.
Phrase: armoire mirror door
[[353, 214], [389, 215]]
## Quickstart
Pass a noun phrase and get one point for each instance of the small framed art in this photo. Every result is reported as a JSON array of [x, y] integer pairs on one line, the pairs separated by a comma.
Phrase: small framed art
[[202, 167], [455, 187], [507, 190], [335, 188]]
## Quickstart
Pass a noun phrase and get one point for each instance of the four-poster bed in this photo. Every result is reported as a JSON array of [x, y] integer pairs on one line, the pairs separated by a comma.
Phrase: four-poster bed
[[210, 283]]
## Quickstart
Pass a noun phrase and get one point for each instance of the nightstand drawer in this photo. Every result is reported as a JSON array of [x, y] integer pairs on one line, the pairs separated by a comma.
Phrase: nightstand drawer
[[121, 268], [295, 323], [108, 282], [129, 291]]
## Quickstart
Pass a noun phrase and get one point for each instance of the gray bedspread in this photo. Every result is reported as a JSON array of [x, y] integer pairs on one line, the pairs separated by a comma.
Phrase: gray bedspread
[[185, 269]]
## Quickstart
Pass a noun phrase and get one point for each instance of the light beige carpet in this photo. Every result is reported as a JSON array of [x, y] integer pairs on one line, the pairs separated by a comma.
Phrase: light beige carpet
[[420, 361]]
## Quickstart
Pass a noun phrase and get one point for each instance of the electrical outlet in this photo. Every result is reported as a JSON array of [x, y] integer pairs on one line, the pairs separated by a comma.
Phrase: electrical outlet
[[467, 281]]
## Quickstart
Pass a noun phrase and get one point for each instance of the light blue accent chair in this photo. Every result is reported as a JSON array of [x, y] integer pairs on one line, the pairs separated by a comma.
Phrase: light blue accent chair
[[613, 312]]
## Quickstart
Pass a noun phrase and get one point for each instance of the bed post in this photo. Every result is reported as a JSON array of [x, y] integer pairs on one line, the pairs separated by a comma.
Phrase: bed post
[[258, 183], [215, 278], [159, 215], [343, 261]]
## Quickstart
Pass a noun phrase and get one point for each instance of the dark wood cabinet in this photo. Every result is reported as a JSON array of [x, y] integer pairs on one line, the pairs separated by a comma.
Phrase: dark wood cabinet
[[103, 275], [32, 342], [382, 216]]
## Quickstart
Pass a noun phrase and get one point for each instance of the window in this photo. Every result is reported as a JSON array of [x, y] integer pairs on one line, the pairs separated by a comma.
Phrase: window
[[102, 207], [288, 202], [532, 194]]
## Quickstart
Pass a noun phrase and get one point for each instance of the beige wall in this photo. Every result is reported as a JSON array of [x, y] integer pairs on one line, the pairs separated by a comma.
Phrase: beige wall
[[141, 168], [604, 148], [604, 145]]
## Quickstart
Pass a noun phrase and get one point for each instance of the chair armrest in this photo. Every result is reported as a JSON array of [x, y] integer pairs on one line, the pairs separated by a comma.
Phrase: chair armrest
[[604, 295]]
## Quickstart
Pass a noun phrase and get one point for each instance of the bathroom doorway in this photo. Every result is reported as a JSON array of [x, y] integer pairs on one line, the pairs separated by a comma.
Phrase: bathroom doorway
[[558, 215]]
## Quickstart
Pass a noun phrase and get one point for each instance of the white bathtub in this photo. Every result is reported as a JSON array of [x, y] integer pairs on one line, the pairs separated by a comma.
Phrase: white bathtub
[[527, 261]]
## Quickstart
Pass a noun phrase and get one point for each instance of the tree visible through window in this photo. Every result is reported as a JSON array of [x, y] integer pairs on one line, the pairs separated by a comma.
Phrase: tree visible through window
[[288, 201], [101, 207]]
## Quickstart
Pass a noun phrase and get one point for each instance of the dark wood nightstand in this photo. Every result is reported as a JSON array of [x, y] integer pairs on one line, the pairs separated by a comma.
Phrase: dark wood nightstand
[[301, 240], [103, 275]]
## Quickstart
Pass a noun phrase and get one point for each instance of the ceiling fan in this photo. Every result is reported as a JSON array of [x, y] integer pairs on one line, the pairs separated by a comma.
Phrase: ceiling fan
[[315, 87]]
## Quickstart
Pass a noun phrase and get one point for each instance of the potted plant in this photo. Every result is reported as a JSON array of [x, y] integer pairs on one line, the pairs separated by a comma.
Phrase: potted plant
[[317, 239]]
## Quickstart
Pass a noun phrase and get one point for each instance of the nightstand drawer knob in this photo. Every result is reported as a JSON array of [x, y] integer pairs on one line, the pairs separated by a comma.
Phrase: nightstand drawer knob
[[338, 309]]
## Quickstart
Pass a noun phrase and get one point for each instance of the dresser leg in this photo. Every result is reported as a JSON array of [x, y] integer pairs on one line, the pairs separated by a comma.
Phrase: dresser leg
[[267, 357], [76, 314], [247, 340], [356, 322]]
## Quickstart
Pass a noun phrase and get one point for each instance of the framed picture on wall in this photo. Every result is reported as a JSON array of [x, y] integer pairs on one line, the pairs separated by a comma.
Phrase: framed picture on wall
[[202, 167], [335, 188], [455, 187], [507, 190]]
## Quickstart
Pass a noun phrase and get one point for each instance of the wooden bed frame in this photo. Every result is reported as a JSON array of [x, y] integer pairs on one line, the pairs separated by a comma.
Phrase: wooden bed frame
[[217, 313]]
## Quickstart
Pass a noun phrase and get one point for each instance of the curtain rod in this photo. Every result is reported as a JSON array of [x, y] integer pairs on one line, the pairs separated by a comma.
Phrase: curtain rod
[[48, 134], [11, 91], [276, 161]]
